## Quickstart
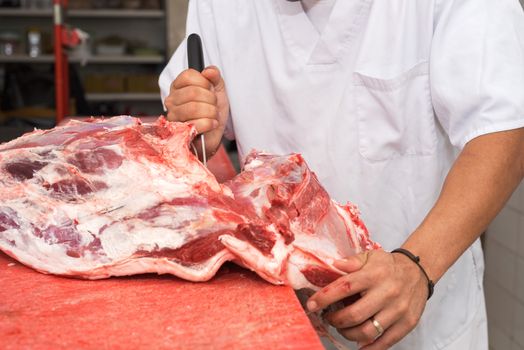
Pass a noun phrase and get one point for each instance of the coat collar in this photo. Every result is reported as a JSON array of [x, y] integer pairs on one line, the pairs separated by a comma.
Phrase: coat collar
[[313, 48]]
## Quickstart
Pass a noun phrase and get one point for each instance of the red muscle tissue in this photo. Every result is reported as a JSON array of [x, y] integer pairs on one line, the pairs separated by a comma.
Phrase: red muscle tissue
[[113, 197]]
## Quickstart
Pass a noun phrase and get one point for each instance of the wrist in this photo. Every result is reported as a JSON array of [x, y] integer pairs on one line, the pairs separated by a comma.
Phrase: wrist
[[414, 260]]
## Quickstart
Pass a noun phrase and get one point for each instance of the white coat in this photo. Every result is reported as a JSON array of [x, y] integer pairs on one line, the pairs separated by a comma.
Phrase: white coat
[[379, 103]]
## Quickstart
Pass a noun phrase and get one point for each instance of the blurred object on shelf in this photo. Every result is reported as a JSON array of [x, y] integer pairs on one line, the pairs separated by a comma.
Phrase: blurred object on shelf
[[46, 42], [27, 118], [3, 119], [111, 45], [105, 83], [117, 46], [9, 43], [131, 4], [120, 83], [113, 4], [136, 54], [110, 50], [2, 81], [108, 4], [142, 83], [30, 118], [8, 133], [27, 85], [80, 4], [30, 112], [37, 4], [97, 4], [9, 3], [107, 109], [151, 4], [31, 87], [82, 49], [34, 42], [145, 51], [141, 48]]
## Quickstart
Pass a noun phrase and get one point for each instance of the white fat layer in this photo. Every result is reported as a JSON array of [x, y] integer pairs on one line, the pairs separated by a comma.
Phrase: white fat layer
[[170, 229], [354, 233], [196, 273], [253, 164], [49, 258], [57, 262], [294, 275], [270, 267], [124, 239]]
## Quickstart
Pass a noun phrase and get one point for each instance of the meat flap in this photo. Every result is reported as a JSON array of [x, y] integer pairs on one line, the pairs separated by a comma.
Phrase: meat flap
[[113, 197]]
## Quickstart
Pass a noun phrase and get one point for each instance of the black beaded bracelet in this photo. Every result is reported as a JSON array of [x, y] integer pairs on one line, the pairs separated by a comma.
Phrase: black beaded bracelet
[[416, 260]]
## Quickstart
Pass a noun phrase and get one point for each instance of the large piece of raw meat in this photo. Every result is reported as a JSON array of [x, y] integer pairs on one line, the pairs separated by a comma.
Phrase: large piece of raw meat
[[112, 197]]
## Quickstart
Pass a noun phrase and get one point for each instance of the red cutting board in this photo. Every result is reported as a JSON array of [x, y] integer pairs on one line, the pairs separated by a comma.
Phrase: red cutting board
[[235, 310]]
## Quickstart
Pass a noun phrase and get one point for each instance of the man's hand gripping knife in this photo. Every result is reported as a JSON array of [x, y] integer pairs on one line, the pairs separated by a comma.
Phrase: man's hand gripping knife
[[200, 97]]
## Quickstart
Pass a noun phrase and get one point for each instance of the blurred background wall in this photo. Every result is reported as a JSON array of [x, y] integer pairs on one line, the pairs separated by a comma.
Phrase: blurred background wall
[[504, 277]]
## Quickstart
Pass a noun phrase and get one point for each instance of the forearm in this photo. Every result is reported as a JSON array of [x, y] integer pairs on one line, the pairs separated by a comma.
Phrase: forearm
[[480, 182]]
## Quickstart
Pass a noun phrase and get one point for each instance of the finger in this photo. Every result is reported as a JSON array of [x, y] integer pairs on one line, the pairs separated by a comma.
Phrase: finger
[[352, 263], [341, 288], [395, 332], [192, 94], [366, 332], [204, 125], [390, 337], [194, 110], [190, 77], [212, 74], [358, 312]]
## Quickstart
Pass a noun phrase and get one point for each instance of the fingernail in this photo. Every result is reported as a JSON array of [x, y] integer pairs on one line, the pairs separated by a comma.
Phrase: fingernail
[[215, 124], [312, 305]]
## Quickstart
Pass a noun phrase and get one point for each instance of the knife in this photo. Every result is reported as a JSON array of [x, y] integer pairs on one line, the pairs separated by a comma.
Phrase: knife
[[195, 60]]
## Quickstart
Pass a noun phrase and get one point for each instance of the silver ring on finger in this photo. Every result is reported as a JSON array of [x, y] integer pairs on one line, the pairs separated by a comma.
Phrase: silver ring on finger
[[378, 327]]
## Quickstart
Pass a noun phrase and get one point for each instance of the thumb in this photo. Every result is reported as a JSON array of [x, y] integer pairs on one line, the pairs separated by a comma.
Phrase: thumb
[[212, 73], [352, 263]]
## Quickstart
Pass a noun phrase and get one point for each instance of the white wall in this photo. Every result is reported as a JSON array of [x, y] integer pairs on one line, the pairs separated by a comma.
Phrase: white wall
[[504, 278]]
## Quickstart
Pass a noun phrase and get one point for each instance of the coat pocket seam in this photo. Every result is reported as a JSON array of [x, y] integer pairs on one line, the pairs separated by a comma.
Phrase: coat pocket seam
[[391, 84], [403, 144]]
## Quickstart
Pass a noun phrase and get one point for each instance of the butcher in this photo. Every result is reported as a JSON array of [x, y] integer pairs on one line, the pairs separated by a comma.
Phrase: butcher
[[413, 110]]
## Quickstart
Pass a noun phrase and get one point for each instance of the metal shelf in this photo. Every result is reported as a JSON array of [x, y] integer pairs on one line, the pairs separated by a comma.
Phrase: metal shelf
[[116, 13], [10, 12], [128, 23], [125, 96], [95, 13], [26, 59], [93, 59], [123, 59]]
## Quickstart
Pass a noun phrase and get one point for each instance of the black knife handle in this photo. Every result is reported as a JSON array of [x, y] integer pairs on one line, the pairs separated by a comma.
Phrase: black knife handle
[[195, 57]]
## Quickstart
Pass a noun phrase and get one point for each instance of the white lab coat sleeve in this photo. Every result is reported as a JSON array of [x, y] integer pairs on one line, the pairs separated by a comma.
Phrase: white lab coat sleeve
[[199, 20], [477, 67]]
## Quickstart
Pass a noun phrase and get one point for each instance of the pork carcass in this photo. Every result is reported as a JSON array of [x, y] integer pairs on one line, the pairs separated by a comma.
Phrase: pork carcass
[[113, 197]]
